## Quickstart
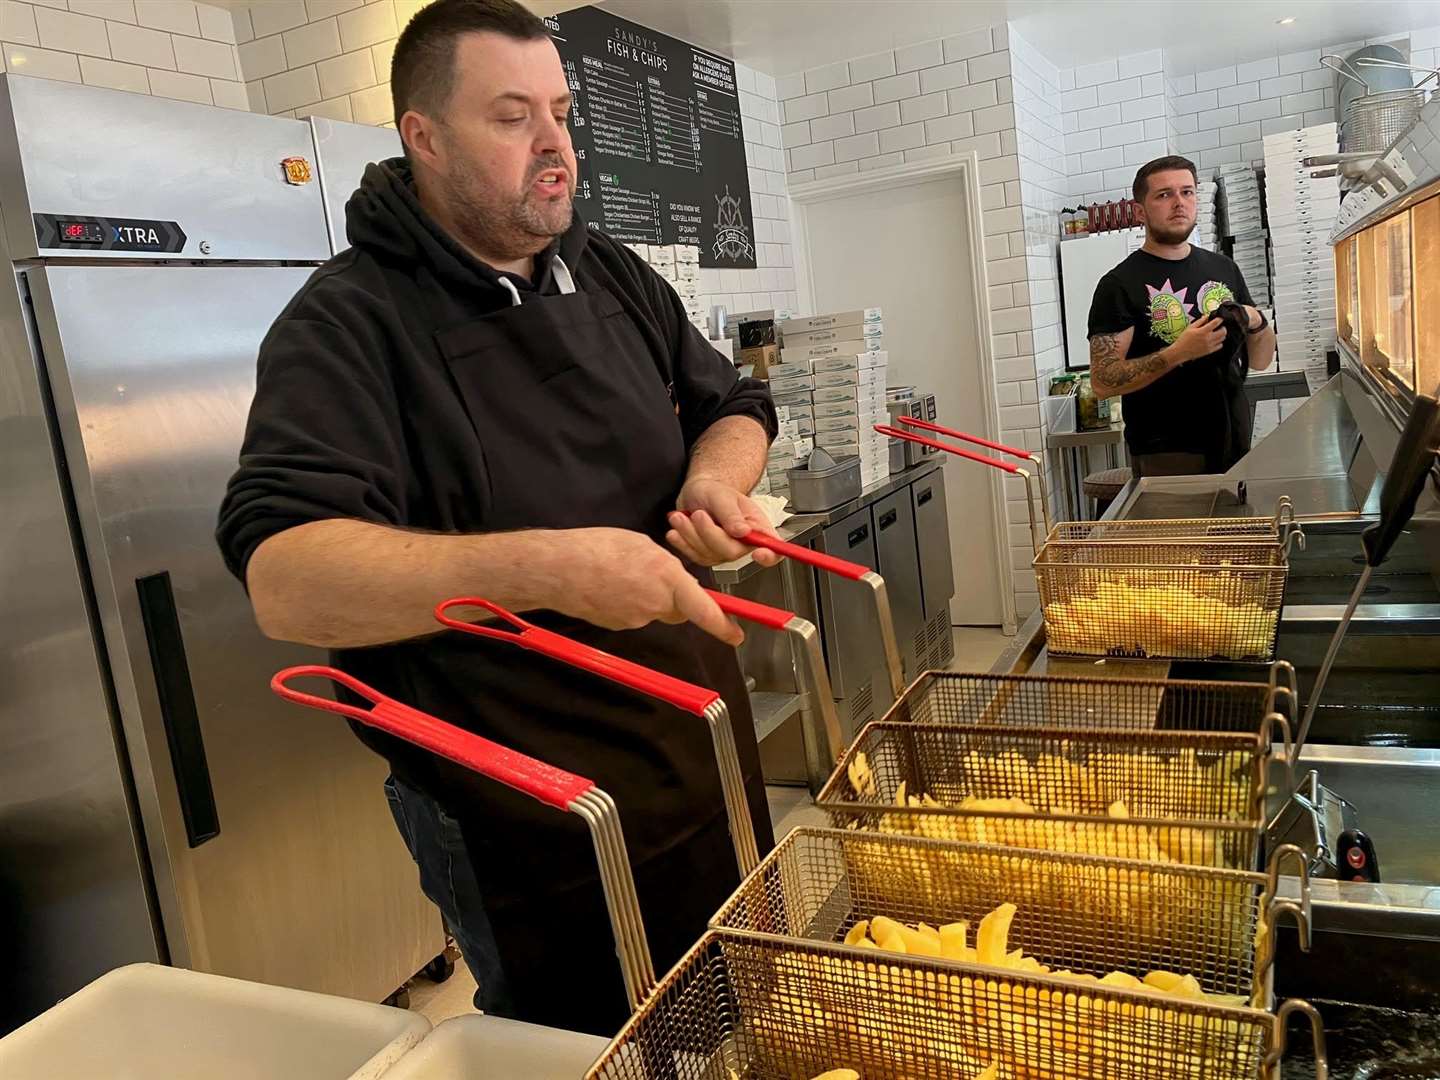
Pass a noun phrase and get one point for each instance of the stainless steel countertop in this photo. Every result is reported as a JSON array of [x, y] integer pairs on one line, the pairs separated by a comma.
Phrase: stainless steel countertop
[[802, 528]]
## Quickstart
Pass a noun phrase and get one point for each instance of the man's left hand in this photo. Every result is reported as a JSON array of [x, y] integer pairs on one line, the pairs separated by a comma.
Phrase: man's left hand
[[710, 518]]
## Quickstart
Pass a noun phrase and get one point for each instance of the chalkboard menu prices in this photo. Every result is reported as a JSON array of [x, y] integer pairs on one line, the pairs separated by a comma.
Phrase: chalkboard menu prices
[[656, 127]]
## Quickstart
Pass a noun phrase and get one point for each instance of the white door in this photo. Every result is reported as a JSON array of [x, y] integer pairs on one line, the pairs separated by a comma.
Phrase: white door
[[906, 248]]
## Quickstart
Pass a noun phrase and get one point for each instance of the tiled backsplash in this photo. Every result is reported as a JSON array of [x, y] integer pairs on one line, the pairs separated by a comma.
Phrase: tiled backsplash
[[166, 48], [1115, 121], [985, 91], [326, 58], [1044, 190]]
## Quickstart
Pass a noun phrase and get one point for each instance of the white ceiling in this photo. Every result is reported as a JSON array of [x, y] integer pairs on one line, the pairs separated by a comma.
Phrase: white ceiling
[[785, 36]]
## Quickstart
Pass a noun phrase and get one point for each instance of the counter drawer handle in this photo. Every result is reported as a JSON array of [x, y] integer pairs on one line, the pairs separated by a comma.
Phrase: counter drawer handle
[[886, 520], [859, 536], [924, 497]]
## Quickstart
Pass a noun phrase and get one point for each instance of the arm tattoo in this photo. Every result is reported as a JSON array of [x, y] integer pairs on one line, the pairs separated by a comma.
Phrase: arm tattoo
[[1111, 369]]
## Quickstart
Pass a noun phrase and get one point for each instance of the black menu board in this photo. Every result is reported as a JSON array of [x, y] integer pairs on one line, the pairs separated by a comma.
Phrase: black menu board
[[656, 127]]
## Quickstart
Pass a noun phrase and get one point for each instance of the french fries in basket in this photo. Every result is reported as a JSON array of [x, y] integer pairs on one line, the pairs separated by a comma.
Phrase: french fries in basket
[[1108, 793]]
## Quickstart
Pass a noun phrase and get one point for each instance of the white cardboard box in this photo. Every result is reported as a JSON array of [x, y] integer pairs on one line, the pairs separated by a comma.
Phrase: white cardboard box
[[877, 359], [866, 331], [791, 384], [821, 350], [829, 321]]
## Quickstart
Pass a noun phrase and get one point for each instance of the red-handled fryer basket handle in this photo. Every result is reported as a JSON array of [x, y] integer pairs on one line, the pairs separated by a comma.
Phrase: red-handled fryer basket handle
[[546, 783], [910, 436], [854, 572], [818, 559], [772, 618], [683, 695], [1036, 538], [688, 697], [964, 436], [825, 747]]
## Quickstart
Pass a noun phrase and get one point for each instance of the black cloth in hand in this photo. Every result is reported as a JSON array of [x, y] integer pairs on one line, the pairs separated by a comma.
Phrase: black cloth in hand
[[1237, 326]]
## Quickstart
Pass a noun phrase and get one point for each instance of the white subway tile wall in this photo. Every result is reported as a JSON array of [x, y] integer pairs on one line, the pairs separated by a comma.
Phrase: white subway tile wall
[[329, 58], [167, 48], [1034, 316], [990, 92], [1114, 126]]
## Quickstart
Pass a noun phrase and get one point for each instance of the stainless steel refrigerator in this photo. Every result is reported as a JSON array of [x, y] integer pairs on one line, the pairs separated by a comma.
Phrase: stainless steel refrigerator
[[156, 802]]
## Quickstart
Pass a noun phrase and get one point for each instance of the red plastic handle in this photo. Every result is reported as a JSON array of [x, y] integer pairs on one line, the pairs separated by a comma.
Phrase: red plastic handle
[[683, 695], [552, 786], [909, 436], [751, 610], [926, 425], [817, 559]]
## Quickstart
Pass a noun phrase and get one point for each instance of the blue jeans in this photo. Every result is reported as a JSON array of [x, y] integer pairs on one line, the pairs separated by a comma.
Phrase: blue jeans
[[448, 879]]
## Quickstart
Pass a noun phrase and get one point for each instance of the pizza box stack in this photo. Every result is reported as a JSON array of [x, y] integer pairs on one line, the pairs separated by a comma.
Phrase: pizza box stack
[[1302, 212], [1204, 234], [1242, 221], [679, 264], [792, 386], [841, 359]]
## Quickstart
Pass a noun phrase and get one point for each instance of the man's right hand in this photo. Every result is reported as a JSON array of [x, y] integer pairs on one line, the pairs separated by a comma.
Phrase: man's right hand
[[623, 580], [1201, 338]]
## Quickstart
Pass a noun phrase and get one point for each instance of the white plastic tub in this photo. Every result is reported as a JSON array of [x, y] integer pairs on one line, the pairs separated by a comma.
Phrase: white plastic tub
[[490, 1048], [148, 1022]]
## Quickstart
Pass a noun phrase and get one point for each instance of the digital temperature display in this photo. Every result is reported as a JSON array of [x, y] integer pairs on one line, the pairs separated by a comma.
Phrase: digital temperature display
[[82, 232]]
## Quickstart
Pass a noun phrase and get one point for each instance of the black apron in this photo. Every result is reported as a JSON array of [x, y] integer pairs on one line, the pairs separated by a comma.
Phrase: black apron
[[577, 429]]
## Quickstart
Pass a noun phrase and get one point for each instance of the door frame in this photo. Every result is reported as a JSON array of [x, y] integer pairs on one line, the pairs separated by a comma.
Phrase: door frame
[[967, 167]]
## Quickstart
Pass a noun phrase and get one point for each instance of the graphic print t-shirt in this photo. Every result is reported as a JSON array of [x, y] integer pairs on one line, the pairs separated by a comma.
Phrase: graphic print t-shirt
[[1199, 407]]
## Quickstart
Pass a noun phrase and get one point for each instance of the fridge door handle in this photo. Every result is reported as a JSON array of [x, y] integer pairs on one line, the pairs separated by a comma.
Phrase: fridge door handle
[[177, 707]]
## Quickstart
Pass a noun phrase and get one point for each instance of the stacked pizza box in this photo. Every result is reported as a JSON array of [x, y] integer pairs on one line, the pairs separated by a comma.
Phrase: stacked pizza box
[[1302, 212], [1242, 221], [1204, 234], [840, 360], [679, 264]]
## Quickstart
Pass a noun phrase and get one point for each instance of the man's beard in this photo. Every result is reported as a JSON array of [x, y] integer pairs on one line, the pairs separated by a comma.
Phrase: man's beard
[[1171, 234], [503, 225]]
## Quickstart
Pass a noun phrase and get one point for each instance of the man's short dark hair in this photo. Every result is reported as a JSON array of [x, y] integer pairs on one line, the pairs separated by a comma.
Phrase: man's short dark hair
[[422, 72], [1160, 164]]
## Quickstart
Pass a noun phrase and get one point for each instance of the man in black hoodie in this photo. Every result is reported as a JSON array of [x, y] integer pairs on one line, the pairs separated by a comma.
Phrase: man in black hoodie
[[483, 397]]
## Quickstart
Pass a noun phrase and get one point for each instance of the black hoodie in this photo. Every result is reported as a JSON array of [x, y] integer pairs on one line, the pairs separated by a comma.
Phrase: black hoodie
[[403, 386]]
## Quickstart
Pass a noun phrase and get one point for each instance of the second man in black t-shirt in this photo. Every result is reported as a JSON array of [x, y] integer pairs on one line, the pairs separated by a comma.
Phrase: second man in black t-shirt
[[1154, 337]]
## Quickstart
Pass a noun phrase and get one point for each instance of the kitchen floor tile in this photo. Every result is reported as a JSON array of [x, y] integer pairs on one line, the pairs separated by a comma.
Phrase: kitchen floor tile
[[978, 647]]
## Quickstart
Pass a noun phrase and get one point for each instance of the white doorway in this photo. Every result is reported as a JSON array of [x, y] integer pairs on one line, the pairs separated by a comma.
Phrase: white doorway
[[908, 240]]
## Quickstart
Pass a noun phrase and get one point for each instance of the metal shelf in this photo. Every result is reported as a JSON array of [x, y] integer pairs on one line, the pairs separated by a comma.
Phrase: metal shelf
[[771, 709]]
